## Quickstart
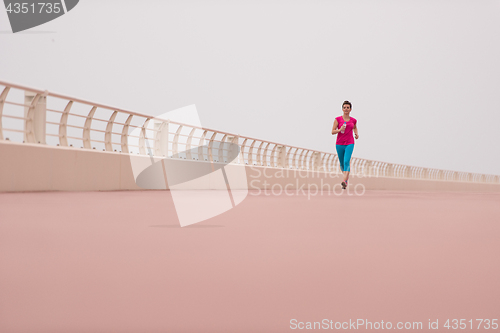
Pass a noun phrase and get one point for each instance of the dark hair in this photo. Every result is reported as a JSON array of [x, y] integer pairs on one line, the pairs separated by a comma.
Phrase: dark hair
[[347, 102]]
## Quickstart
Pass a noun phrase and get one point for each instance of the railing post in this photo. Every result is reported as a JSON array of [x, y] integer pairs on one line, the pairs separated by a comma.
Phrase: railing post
[[330, 165], [175, 143], [368, 167], [36, 114], [250, 153], [3, 97], [288, 154], [335, 164], [282, 162], [143, 137], [463, 176], [301, 160], [390, 170], [161, 137], [407, 172], [264, 155], [236, 145], [63, 125], [210, 145], [124, 135], [374, 169], [316, 158], [189, 154], [317, 161], [86, 128], [273, 162], [221, 149], [201, 146], [311, 161], [233, 140], [355, 166], [259, 153], [322, 162], [108, 142], [295, 163], [242, 151]]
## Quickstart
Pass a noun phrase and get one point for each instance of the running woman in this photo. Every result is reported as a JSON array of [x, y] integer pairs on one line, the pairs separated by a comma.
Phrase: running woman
[[344, 126]]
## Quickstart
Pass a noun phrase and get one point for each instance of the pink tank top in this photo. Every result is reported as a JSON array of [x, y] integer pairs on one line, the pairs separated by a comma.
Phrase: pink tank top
[[345, 138]]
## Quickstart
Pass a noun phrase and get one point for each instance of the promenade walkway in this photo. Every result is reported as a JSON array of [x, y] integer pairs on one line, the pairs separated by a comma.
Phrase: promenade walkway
[[119, 262]]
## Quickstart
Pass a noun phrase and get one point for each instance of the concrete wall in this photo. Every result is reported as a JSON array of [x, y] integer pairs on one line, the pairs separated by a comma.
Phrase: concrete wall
[[37, 167]]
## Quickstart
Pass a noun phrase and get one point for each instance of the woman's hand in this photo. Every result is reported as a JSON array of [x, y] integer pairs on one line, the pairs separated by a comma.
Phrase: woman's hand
[[356, 136]]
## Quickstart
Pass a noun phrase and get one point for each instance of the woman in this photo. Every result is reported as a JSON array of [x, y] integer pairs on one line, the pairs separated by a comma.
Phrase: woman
[[344, 126]]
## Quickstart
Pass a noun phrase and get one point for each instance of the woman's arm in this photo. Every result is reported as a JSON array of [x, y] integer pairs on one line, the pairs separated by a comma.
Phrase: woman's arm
[[355, 130], [335, 125]]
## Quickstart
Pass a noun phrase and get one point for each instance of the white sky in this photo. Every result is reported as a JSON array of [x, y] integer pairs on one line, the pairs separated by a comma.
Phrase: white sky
[[423, 76]]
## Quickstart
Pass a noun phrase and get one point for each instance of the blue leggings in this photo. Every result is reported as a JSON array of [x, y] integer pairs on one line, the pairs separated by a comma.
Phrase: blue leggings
[[344, 152]]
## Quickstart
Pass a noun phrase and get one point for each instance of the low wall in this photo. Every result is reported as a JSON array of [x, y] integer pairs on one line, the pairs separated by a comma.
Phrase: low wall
[[36, 167]]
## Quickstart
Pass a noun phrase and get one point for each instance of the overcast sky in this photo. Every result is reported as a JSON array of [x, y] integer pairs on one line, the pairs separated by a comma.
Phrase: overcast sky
[[423, 76]]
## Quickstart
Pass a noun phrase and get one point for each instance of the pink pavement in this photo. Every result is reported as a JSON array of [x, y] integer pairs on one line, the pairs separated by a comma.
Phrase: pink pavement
[[119, 262]]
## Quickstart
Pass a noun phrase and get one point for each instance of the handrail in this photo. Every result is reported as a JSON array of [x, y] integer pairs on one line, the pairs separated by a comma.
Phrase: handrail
[[167, 136]]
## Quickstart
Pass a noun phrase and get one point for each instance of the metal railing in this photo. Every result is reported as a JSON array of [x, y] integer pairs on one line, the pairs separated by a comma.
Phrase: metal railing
[[60, 120]]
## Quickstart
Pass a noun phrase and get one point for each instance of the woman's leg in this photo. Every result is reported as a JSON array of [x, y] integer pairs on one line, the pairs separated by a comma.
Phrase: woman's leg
[[346, 176], [347, 160], [340, 155]]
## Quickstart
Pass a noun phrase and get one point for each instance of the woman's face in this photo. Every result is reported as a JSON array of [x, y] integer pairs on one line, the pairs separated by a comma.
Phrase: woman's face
[[346, 108]]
